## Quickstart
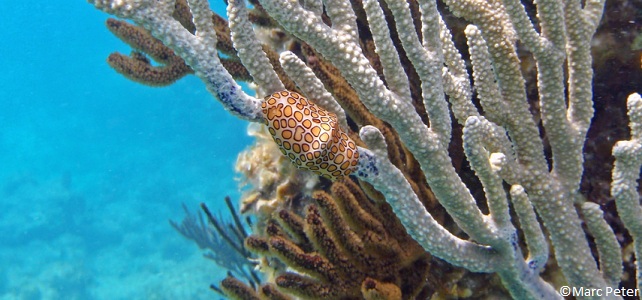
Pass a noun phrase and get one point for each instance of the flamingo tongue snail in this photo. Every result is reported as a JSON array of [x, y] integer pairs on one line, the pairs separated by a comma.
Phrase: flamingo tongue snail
[[309, 135]]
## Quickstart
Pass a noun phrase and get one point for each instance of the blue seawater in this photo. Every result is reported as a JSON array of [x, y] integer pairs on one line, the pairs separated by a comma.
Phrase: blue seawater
[[93, 165]]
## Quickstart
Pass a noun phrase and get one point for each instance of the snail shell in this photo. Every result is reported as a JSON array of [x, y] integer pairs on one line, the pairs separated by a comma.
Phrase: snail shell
[[309, 135]]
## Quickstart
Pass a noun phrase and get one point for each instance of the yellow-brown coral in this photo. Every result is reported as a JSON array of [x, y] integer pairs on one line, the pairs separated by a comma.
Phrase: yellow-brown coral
[[137, 66], [345, 247]]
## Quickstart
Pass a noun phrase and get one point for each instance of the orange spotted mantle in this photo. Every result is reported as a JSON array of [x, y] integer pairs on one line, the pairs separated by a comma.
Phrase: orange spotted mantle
[[309, 135]]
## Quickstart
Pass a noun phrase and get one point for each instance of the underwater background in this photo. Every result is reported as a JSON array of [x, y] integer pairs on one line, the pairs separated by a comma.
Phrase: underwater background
[[93, 165]]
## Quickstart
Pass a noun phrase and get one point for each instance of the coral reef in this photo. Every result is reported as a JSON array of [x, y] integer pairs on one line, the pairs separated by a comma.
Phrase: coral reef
[[477, 144], [346, 246], [343, 248]]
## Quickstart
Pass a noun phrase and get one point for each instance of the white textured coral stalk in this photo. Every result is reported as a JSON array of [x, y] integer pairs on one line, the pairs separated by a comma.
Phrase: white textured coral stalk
[[626, 172]]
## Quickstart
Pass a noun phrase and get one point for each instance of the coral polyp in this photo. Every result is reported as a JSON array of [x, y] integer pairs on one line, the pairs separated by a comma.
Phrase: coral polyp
[[309, 135]]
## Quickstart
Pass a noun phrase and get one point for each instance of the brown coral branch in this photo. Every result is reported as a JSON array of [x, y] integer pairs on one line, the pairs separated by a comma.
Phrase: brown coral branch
[[183, 15], [236, 69], [257, 245], [270, 292], [137, 67], [326, 244], [313, 263], [294, 226], [375, 290], [306, 287], [236, 289], [340, 231], [360, 212]]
